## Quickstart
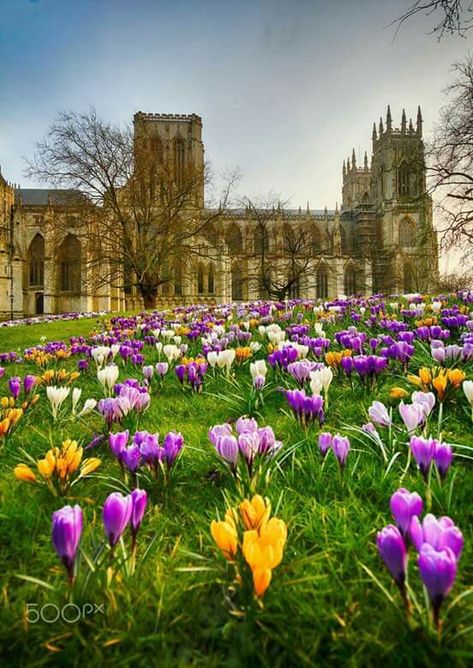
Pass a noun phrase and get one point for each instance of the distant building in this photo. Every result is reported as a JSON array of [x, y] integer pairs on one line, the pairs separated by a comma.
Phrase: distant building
[[381, 240]]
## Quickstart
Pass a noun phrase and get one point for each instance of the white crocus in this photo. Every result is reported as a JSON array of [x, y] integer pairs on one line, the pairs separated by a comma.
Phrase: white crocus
[[76, 392], [212, 357], [108, 376], [172, 352], [315, 385], [56, 397], [258, 368], [100, 354], [115, 349], [89, 406], [468, 390], [159, 348], [255, 346], [177, 340], [226, 358]]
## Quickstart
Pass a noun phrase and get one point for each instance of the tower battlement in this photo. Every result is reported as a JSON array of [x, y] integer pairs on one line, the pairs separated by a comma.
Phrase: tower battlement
[[167, 118]]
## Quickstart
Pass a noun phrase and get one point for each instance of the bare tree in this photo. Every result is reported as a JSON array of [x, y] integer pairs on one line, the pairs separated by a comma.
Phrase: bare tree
[[140, 216], [452, 16], [451, 161], [283, 249]]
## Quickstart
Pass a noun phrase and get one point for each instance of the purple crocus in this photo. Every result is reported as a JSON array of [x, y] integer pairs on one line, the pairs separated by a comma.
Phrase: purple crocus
[[440, 533], [404, 506], [423, 450], [118, 442], [393, 552], [325, 442], [219, 430], [116, 516], [227, 448], [341, 448], [14, 385], [443, 457], [438, 569], [131, 457], [162, 368], [173, 443], [29, 382], [65, 535], [139, 500], [244, 424]]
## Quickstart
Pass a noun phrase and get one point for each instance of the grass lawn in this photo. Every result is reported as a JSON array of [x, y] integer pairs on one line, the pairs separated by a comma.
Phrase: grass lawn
[[331, 601]]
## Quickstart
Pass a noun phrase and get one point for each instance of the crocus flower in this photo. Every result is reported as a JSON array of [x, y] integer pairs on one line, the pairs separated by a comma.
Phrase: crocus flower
[[227, 448], [255, 512], [341, 448], [426, 400], [116, 516], [468, 390], [404, 506], [139, 500], [438, 570], [225, 535], [246, 424], [440, 533], [412, 415], [29, 382], [162, 368], [108, 376], [392, 550], [443, 457], [325, 442], [379, 414], [14, 385], [219, 430], [56, 396], [118, 442], [423, 450], [65, 535], [173, 443]]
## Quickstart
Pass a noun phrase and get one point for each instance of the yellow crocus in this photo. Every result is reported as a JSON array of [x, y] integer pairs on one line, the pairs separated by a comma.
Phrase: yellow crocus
[[225, 535], [261, 580], [456, 377], [398, 393], [90, 465], [255, 512], [264, 549], [23, 472], [4, 426], [425, 376], [439, 383], [46, 466]]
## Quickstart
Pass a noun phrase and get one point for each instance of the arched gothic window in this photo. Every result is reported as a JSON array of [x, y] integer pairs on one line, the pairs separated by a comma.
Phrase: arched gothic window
[[179, 159], [404, 179], [200, 278], [316, 238], [407, 233], [211, 279], [409, 278], [289, 244], [69, 264], [36, 262], [177, 278], [350, 282], [237, 283], [261, 240], [293, 286], [234, 240], [322, 283]]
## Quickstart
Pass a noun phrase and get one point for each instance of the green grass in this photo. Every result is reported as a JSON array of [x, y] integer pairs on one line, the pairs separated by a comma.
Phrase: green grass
[[322, 607]]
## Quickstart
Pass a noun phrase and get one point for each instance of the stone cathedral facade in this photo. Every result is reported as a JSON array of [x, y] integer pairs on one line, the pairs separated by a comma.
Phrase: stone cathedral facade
[[381, 239]]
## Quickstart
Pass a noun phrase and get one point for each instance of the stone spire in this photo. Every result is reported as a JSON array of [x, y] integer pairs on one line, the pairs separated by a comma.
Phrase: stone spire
[[365, 163], [389, 120], [353, 159], [374, 136], [419, 122], [381, 128], [403, 121]]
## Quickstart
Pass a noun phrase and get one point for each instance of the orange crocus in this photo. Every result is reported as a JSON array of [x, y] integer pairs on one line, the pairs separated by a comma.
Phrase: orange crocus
[[255, 512]]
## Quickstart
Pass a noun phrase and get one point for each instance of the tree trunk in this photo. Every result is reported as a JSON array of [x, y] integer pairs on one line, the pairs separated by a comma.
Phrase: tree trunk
[[149, 296]]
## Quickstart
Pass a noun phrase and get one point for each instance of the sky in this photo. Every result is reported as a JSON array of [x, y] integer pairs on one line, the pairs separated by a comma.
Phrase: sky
[[285, 88]]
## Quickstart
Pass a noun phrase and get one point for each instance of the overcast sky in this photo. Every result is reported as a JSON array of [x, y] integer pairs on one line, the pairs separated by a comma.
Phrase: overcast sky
[[286, 88]]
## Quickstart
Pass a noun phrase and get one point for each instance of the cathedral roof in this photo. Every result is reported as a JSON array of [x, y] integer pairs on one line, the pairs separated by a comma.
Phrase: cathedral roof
[[44, 196]]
